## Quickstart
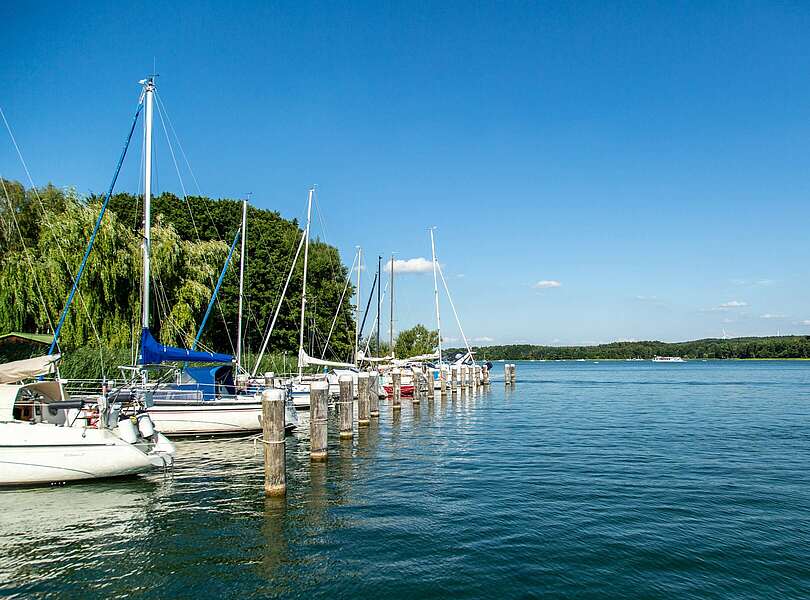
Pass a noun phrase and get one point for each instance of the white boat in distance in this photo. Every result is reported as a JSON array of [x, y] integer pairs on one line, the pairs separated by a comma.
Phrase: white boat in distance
[[48, 437], [668, 359]]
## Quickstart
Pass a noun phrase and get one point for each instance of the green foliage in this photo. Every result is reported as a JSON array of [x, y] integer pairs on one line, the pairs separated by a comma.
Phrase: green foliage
[[189, 246], [416, 341], [747, 347]]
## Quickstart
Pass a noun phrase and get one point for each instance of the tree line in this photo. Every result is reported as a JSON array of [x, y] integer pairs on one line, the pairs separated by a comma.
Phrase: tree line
[[793, 346], [44, 232]]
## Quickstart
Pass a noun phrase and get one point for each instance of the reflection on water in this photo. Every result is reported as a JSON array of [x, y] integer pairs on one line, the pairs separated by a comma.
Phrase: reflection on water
[[595, 480]]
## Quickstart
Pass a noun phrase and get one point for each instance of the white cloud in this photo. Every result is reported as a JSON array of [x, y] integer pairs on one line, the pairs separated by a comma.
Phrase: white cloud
[[546, 283], [646, 298], [733, 304], [806, 322], [450, 339], [411, 265], [460, 276], [771, 316], [484, 339]]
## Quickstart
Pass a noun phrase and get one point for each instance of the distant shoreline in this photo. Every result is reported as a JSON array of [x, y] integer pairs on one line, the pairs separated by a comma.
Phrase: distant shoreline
[[791, 347]]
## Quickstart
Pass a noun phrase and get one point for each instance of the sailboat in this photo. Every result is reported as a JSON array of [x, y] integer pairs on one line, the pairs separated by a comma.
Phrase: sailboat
[[201, 400], [47, 436], [445, 368], [299, 385]]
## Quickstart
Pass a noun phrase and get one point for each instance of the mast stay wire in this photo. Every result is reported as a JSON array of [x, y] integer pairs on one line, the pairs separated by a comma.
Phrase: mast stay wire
[[27, 254], [161, 110], [49, 223]]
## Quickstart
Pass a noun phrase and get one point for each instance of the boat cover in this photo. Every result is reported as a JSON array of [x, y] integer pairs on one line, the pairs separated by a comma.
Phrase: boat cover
[[305, 360], [155, 353], [12, 372], [213, 382]]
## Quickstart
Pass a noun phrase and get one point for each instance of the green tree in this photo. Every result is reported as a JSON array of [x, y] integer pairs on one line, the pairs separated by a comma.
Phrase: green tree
[[415, 341]]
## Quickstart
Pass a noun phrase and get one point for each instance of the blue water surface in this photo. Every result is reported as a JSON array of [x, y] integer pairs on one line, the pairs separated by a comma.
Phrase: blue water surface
[[587, 479]]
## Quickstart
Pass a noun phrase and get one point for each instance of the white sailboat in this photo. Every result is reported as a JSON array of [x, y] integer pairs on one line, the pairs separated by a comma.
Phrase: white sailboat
[[203, 401], [48, 437]]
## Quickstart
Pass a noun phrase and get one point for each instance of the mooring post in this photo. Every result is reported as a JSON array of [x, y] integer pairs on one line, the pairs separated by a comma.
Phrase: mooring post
[[417, 387], [374, 396], [396, 389], [346, 408], [513, 372], [442, 385], [362, 400], [275, 477], [485, 374], [453, 379], [318, 392], [507, 374]]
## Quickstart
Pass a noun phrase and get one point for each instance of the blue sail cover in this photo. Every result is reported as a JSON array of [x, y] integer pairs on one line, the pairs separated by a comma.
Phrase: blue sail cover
[[155, 353]]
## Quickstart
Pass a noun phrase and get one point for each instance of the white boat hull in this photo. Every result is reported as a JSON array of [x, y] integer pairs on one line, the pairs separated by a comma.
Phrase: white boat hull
[[211, 417], [41, 453]]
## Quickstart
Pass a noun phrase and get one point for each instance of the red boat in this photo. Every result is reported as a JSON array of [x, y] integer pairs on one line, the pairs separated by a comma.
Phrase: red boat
[[405, 391]]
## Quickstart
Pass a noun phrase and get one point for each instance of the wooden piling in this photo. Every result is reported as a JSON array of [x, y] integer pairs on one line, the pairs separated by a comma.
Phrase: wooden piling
[[318, 392], [396, 389], [453, 379], [485, 375], [442, 385], [513, 372], [418, 387], [275, 476], [363, 400], [507, 374], [346, 407], [374, 396]]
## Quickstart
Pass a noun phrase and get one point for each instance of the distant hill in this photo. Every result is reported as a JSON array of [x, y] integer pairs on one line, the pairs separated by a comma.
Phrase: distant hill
[[789, 346]]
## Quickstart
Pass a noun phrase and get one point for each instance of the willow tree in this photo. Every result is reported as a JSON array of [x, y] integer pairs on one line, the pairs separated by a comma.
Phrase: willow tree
[[37, 274]]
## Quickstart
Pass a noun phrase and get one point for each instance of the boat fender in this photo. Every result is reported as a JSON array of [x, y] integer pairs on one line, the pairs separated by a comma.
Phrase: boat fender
[[145, 425], [127, 430]]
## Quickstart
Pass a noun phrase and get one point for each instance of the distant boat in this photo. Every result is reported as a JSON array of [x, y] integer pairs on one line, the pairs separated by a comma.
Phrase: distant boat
[[668, 359]]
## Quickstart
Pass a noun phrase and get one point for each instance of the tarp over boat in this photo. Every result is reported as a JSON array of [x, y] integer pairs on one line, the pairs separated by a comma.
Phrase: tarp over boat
[[29, 368], [361, 357], [155, 353], [305, 360]]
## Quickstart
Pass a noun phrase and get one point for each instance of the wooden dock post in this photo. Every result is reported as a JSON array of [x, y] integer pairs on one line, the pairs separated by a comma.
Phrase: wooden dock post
[[507, 374], [465, 377], [513, 373], [374, 396], [417, 387], [453, 379], [485, 374], [442, 385], [346, 408], [318, 392], [396, 389], [363, 400], [275, 459]]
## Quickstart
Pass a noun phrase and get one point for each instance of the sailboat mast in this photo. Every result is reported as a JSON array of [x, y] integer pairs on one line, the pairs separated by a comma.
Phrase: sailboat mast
[[304, 288], [436, 294], [379, 264], [357, 307], [241, 286], [149, 89], [391, 323]]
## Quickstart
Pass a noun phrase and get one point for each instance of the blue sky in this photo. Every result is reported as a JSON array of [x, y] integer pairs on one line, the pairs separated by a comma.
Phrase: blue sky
[[653, 160]]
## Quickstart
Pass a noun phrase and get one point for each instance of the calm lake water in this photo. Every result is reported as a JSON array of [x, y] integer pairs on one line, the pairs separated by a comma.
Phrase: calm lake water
[[594, 480]]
